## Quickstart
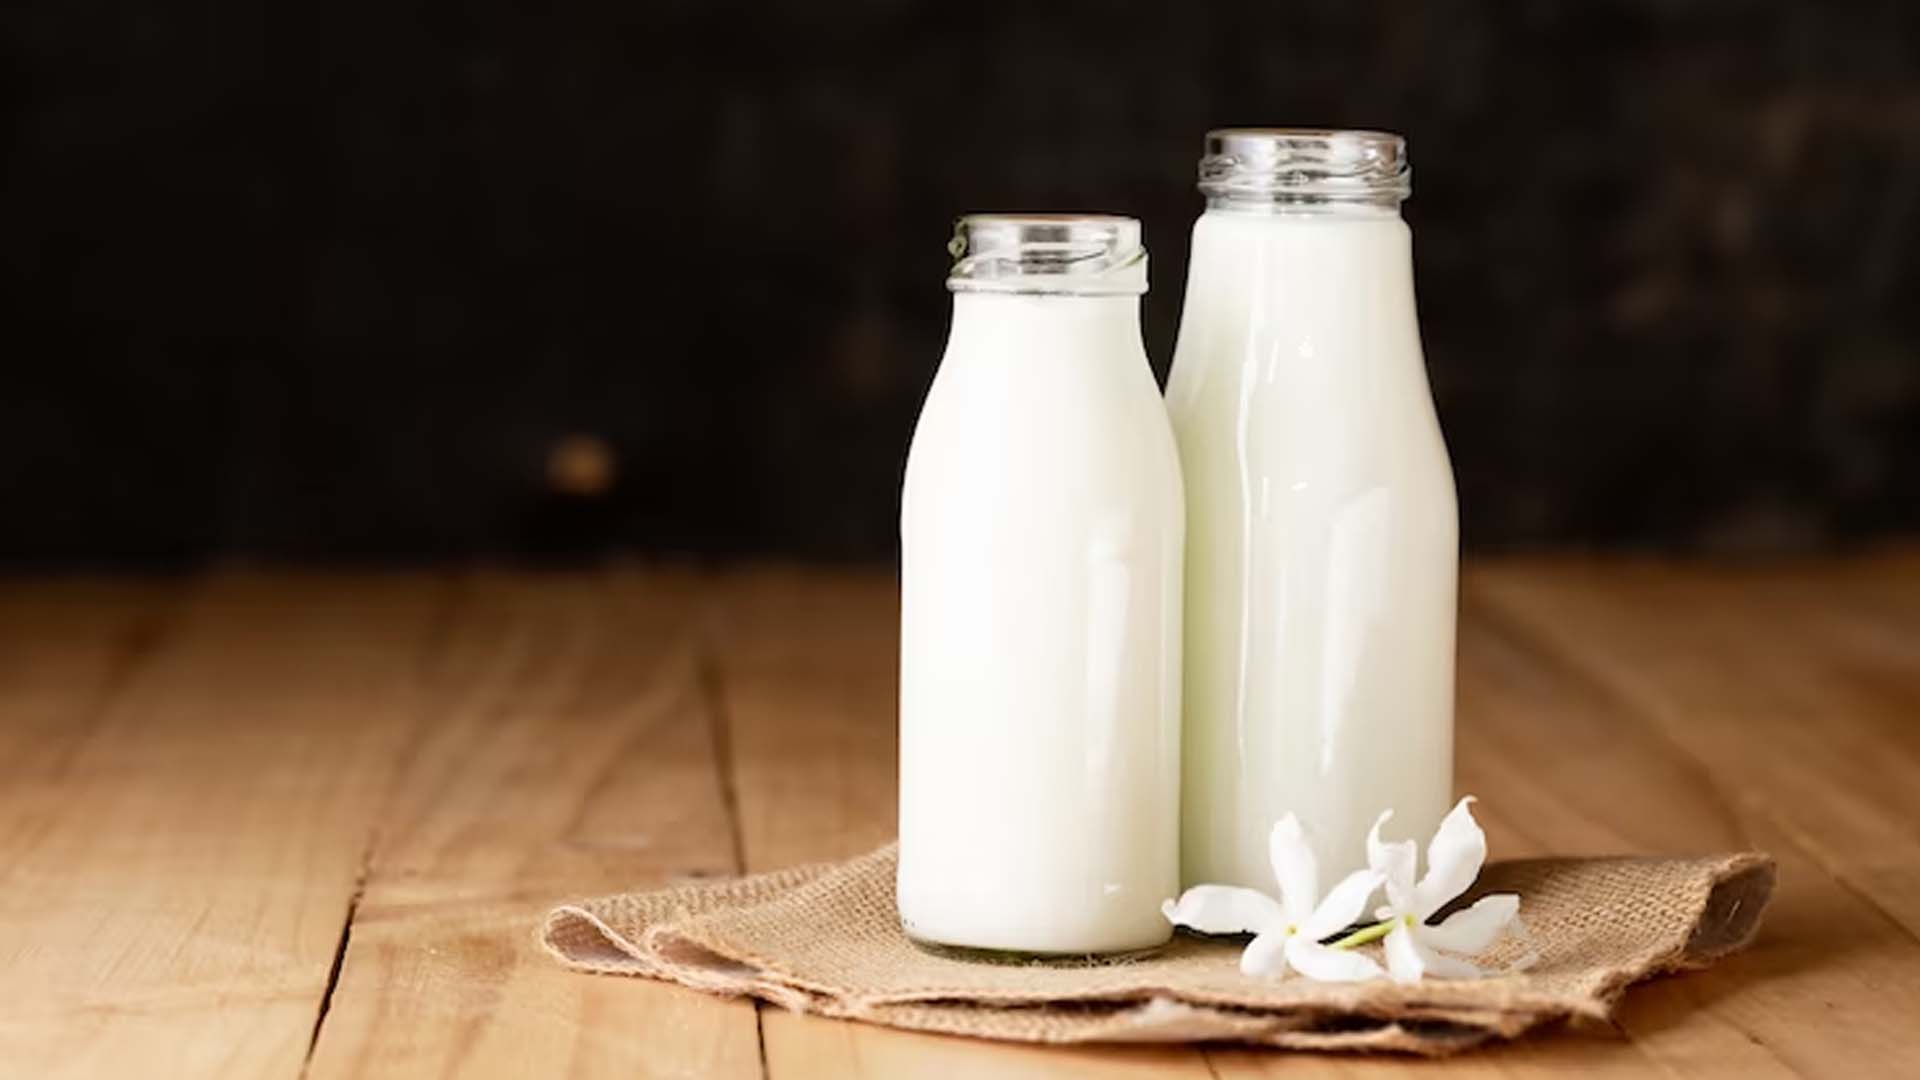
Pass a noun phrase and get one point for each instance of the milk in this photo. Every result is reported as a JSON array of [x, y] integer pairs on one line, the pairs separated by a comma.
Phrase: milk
[[1322, 543], [1041, 530]]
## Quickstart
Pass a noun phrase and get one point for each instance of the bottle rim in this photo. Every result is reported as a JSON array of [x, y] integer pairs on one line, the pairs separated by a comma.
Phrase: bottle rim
[[1093, 254], [1305, 167]]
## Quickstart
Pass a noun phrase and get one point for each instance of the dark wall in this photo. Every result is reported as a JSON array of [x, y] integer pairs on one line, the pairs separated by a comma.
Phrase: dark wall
[[343, 282]]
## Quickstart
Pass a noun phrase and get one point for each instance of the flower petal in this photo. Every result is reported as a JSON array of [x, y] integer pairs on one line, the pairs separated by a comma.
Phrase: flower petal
[[1266, 955], [1342, 905], [1470, 930], [1317, 961], [1439, 963], [1295, 868], [1224, 909], [1404, 961], [1409, 958], [1394, 863], [1454, 859]]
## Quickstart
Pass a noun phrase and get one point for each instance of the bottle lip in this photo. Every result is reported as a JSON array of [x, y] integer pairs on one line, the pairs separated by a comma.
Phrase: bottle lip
[[1305, 167], [1061, 253]]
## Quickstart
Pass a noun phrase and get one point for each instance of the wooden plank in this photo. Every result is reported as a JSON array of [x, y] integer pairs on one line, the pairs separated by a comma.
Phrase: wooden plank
[[832, 1048], [808, 665], [1570, 764], [188, 820], [189, 788], [1803, 705], [1588, 1052], [67, 649], [565, 749]]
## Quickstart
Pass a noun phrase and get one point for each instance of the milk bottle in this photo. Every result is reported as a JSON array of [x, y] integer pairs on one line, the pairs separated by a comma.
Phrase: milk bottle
[[1040, 531], [1322, 530]]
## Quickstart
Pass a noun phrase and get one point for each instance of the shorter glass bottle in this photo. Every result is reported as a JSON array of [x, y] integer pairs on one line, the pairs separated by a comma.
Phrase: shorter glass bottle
[[1041, 529]]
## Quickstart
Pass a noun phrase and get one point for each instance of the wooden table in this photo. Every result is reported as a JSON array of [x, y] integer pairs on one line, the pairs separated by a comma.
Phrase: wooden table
[[294, 824]]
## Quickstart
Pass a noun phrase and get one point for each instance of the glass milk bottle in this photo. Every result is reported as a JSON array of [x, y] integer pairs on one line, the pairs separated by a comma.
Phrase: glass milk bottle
[[1322, 544], [1040, 531]]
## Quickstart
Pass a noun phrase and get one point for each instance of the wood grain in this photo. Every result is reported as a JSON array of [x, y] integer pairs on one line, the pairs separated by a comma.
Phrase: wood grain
[[212, 789], [185, 830], [1567, 766], [1811, 727], [568, 752]]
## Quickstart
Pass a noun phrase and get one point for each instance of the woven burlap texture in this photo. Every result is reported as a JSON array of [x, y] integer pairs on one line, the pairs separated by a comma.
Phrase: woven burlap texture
[[826, 939]]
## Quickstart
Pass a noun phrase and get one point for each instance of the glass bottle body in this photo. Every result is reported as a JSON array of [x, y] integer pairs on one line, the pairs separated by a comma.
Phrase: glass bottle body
[[1322, 547], [1041, 570]]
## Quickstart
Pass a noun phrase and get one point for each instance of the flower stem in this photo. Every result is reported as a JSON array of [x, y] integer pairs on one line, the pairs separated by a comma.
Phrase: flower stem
[[1364, 935]]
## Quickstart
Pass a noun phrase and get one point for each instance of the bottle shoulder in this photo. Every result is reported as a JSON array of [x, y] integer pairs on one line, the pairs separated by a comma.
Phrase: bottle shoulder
[[984, 451]]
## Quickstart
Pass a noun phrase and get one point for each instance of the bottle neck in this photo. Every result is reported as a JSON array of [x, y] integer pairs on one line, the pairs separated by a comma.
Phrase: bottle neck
[[1334, 277], [1017, 327], [1269, 206], [1076, 254]]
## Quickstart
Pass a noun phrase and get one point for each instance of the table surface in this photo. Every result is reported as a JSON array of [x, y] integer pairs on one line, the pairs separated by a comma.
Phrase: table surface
[[267, 824]]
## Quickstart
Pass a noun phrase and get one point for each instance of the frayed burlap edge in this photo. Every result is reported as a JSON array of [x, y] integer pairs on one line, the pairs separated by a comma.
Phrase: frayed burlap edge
[[823, 939]]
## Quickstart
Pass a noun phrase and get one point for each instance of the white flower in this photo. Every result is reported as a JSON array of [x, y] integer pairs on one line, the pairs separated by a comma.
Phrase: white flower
[[1287, 932], [1454, 859]]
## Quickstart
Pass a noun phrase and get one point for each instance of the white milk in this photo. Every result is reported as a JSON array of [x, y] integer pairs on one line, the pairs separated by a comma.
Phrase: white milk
[[1322, 545], [1040, 606]]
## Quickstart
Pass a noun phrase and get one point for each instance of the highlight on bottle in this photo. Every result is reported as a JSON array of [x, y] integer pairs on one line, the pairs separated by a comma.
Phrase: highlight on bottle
[[1071, 254]]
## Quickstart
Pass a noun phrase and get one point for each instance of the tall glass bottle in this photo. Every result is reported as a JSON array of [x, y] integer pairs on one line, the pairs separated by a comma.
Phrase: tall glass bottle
[[1322, 545], [1040, 531]]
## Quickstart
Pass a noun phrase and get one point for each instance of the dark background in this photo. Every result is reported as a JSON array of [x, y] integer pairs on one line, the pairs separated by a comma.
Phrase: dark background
[[424, 281]]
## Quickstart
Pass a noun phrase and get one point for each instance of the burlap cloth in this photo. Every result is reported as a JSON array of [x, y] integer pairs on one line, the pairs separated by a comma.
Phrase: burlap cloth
[[825, 939]]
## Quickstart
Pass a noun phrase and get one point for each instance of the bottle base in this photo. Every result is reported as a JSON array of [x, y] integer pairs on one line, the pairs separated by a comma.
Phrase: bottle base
[[1023, 957]]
